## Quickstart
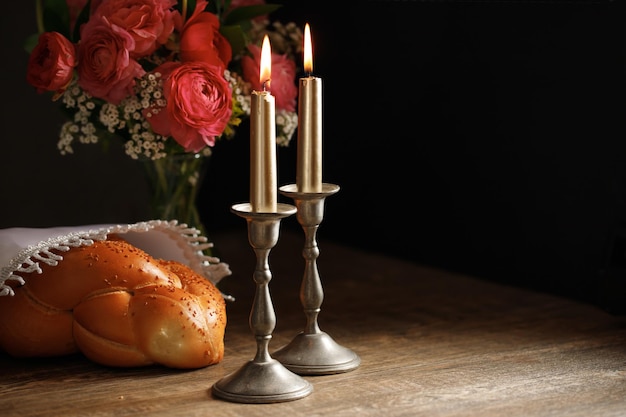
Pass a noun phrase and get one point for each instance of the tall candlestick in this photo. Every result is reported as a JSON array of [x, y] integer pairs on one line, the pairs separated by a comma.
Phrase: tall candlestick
[[263, 184], [309, 156]]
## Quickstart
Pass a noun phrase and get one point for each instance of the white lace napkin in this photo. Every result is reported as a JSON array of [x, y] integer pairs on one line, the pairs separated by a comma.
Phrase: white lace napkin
[[24, 249]]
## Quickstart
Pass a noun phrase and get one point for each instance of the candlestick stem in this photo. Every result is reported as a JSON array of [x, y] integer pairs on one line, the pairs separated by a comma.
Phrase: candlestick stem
[[263, 379], [313, 351], [311, 291]]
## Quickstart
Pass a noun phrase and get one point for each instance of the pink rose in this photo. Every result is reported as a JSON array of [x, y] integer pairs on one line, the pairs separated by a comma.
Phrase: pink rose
[[105, 69], [51, 63], [282, 83], [201, 40], [149, 22], [198, 104]]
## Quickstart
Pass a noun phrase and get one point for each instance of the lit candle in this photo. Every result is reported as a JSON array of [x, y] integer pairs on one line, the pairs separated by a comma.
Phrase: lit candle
[[309, 156], [263, 140]]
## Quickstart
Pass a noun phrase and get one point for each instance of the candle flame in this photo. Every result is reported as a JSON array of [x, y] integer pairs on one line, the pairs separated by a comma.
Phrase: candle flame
[[266, 63], [308, 50]]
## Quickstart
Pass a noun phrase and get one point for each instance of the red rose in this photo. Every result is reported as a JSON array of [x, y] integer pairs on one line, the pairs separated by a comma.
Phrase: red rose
[[201, 40], [105, 69], [51, 63], [149, 22], [282, 83], [198, 104]]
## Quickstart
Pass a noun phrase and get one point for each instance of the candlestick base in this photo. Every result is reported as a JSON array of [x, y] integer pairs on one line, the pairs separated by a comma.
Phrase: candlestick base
[[316, 354], [263, 379], [262, 383], [313, 352]]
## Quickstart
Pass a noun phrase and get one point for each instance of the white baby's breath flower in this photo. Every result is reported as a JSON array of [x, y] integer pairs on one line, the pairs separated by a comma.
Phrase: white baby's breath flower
[[286, 124]]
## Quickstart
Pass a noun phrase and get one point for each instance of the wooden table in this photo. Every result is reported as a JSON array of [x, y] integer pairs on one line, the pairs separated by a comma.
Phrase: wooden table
[[432, 343]]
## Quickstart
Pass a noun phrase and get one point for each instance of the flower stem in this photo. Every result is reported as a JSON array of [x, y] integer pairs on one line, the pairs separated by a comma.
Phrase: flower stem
[[175, 181]]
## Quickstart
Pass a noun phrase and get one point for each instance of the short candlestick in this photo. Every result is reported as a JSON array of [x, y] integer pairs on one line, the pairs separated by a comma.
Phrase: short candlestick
[[313, 351], [262, 379]]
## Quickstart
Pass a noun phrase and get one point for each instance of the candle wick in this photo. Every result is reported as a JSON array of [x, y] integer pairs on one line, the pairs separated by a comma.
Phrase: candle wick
[[266, 84]]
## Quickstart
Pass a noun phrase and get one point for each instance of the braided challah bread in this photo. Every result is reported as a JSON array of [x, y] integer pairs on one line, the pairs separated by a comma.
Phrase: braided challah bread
[[119, 306]]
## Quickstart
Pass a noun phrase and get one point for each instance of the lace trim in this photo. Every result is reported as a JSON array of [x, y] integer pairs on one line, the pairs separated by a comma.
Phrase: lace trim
[[188, 239]]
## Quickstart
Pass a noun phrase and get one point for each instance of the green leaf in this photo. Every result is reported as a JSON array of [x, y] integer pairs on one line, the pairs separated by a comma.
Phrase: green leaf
[[31, 42], [56, 17], [236, 36], [246, 13]]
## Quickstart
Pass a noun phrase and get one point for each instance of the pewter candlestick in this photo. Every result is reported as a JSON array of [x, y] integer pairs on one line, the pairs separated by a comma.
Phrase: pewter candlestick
[[313, 352], [263, 379]]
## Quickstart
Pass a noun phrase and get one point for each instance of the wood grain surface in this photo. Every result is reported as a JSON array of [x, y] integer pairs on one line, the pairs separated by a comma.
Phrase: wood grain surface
[[431, 343]]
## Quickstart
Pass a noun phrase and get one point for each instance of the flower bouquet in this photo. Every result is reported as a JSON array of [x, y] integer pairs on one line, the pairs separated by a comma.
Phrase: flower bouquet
[[165, 79]]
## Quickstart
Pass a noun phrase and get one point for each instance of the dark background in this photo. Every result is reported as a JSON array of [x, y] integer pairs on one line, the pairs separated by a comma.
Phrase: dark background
[[487, 138]]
